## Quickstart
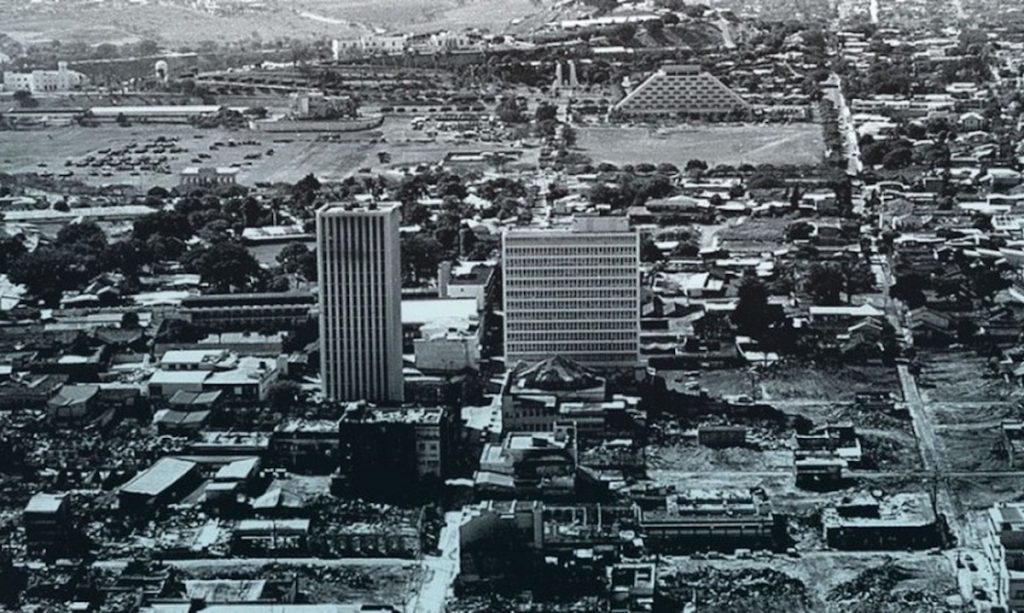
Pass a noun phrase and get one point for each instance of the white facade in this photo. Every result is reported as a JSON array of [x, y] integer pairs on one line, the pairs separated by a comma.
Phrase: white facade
[[43, 81], [375, 44], [360, 302], [447, 352], [573, 293]]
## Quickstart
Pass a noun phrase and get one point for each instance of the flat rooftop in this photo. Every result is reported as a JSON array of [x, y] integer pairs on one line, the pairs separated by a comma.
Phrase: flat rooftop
[[342, 209], [440, 315]]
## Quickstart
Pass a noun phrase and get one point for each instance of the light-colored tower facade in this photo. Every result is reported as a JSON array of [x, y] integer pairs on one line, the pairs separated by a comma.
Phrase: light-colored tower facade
[[360, 278], [574, 293]]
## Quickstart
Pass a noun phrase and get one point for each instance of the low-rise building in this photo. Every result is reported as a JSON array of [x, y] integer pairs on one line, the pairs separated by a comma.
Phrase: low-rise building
[[48, 524], [207, 176], [700, 519], [901, 521], [530, 464], [271, 537], [306, 445], [558, 391], [447, 352], [43, 81], [164, 482], [722, 436], [1005, 549], [631, 587], [387, 450], [224, 312], [238, 379]]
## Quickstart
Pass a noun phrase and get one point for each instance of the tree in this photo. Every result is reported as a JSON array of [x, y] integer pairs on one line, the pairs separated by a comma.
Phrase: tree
[[623, 33], [858, 277], [170, 224], [751, 316], [965, 331], [825, 283], [308, 267], [910, 289], [421, 255], [308, 183], [291, 256], [510, 111], [83, 237], [306, 190], [696, 167], [900, 157], [284, 395], [655, 27], [414, 213], [251, 211], [129, 256], [649, 251], [25, 99], [129, 320], [546, 112], [799, 230], [48, 272], [569, 136], [223, 265]]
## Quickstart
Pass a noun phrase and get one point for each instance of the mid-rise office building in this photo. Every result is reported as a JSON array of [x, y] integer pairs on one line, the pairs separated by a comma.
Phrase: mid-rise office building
[[573, 292], [359, 266]]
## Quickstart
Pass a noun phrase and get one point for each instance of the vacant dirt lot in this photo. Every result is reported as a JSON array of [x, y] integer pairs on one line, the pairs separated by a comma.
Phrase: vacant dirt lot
[[961, 376], [833, 581], [686, 457], [824, 382], [735, 145], [753, 232], [973, 447]]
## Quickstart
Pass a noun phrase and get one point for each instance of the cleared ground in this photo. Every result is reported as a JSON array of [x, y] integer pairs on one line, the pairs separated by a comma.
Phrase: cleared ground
[[961, 376], [330, 581], [294, 154], [970, 433], [752, 233], [830, 581], [735, 145], [687, 457], [825, 382]]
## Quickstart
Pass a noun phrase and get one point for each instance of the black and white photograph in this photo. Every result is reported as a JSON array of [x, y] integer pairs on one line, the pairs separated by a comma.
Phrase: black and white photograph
[[512, 306]]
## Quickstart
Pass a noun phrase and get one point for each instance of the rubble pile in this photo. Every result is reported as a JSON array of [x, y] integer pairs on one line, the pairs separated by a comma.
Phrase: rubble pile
[[749, 589], [891, 587]]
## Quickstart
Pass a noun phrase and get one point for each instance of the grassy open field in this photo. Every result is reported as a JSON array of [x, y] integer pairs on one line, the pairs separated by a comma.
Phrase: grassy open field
[[295, 154], [753, 144], [178, 25], [425, 15], [23, 151]]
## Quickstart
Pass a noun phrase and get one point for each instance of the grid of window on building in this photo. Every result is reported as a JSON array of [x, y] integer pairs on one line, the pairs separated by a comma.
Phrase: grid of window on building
[[573, 293], [360, 302]]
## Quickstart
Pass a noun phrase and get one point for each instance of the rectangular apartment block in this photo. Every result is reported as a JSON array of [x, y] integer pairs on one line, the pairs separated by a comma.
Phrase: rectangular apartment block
[[573, 293]]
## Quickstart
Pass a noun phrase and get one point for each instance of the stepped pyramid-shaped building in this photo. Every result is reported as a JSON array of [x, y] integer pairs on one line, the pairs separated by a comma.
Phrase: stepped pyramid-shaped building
[[682, 90]]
